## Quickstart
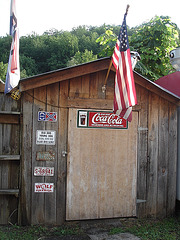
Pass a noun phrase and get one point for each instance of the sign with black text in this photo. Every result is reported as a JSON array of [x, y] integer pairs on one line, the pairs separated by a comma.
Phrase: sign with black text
[[45, 137]]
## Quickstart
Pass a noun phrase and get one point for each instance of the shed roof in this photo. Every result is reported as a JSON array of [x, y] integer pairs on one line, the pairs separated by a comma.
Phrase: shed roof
[[88, 68], [171, 82]]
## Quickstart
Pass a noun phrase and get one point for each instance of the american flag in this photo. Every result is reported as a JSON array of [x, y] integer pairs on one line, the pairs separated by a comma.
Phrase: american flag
[[13, 71], [125, 92]]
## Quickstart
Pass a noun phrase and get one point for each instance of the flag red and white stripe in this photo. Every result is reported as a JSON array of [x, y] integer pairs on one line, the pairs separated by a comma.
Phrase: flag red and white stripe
[[13, 71], [125, 92]]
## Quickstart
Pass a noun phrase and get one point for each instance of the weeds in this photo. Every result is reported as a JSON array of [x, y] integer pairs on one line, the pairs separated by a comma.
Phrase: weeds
[[166, 229], [35, 232]]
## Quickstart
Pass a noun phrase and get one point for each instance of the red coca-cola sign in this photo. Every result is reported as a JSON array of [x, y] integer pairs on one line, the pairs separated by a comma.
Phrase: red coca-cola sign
[[105, 120]]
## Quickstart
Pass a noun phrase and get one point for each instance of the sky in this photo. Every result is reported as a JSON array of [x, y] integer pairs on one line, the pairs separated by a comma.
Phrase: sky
[[41, 15]]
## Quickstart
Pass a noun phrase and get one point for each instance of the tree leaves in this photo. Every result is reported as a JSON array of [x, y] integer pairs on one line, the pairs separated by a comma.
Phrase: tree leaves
[[58, 49]]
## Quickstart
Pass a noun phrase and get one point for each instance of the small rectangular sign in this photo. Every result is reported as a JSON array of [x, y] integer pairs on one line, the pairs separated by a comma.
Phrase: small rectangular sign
[[106, 119], [45, 137], [44, 187], [47, 116], [97, 119], [45, 156], [44, 171]]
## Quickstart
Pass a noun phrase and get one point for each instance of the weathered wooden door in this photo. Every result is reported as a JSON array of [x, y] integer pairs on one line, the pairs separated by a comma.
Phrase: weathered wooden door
[[101, 171]]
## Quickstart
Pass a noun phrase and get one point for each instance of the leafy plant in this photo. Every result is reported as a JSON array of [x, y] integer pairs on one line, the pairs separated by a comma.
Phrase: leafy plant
[[153, 41], [3, 70]]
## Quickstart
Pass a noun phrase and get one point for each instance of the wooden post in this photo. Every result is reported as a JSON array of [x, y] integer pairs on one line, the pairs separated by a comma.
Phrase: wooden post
[[127, 8], [105, 82]]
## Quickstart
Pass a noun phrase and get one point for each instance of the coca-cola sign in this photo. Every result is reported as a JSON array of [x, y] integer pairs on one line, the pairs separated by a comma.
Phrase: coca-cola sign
[[97, 119]]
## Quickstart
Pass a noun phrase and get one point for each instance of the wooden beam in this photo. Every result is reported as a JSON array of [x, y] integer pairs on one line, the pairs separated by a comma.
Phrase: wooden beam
[[9, 119], [89, 103], [63, 74], [9, 112], [104, 104], [9, 157], [9, 192]]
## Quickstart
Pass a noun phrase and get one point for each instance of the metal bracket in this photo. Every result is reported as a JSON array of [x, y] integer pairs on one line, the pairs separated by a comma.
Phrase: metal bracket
[[64, 153], [142, 129], [140, 200]]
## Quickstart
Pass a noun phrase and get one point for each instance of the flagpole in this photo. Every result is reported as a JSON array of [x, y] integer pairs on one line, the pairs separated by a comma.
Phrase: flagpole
[[107, 75], [110, 64], [127, 8]]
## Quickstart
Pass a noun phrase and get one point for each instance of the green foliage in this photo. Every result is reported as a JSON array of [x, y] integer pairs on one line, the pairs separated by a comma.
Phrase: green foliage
[[83, 57], [5, 45], [166, 229], [107, 40], [36, 232], [58, 49], [3, 70], [146, 229], [153, 41]]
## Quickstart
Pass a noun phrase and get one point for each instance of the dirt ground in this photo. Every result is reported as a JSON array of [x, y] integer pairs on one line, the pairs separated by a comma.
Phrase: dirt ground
[[96, 230]]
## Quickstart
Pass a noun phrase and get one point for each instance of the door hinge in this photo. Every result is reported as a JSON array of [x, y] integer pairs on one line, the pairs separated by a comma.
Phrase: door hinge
[[140, 200]]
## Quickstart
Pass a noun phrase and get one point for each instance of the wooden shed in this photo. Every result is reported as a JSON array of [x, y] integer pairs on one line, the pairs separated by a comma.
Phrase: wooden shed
[[77, 160]]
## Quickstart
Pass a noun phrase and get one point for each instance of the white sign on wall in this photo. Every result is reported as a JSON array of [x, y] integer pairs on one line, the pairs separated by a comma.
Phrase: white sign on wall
[[44, 171], [45, 137], [44, 187]]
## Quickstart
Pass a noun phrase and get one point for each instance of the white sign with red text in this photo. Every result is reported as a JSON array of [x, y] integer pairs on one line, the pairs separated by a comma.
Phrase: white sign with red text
[[44, 187], [44, 171], [100, 119]]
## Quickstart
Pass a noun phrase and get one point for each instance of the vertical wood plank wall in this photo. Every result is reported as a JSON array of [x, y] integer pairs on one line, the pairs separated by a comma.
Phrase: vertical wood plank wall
[[156, 154], [9, 158]]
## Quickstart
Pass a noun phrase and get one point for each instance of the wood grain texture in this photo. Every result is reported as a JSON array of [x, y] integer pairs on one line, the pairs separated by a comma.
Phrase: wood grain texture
[[162, 167], [62, 146], [50, 199], [26, 155], [153, 137], [38, 199], [142, 96], [172, 160], [101, 172], [9, 162]]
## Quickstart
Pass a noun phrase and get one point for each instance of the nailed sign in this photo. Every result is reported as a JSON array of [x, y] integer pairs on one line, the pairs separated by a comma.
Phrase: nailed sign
[[44, 171], [44, 187], [47, 116], [45, 156], [97, 119], [45, 137]]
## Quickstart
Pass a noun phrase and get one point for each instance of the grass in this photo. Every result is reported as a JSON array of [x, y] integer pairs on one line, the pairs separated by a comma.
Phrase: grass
[[35, 232], [166, 229], [148, 229]]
